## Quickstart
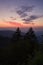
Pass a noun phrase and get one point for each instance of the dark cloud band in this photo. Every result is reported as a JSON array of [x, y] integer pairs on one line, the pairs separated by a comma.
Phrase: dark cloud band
[[31, 18], [22, 12]]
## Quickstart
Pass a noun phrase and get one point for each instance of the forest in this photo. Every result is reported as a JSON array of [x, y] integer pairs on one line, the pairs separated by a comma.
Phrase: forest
[[21, 49]]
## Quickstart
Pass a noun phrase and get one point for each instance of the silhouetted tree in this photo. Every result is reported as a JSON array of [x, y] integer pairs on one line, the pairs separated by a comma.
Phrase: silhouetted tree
[[16, 35], [31, 40], [23, 49]]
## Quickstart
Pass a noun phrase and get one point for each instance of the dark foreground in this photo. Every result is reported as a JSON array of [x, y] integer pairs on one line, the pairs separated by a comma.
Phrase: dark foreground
[[22, 50]]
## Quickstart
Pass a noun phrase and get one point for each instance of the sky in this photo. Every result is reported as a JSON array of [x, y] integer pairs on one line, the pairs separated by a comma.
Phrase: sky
[[21, 13]]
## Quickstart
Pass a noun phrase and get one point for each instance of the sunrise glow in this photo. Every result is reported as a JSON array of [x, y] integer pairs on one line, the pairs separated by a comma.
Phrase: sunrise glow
[[16, 14]]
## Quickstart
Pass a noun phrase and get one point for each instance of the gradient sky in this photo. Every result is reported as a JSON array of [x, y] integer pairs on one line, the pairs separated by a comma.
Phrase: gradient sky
[[21, 13]]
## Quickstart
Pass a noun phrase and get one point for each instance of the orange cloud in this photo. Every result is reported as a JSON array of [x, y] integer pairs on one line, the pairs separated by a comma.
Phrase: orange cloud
[[15, 24], [11, 24]]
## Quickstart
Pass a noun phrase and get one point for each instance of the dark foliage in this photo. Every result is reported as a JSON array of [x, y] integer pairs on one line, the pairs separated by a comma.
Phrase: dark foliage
[[21, 50]]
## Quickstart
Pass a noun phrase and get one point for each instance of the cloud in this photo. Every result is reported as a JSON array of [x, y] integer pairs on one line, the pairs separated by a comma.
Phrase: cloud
[[12, 18], [23, 15], [27, 8], [12, 24], [31, 18], [15, 23], [22, 12]]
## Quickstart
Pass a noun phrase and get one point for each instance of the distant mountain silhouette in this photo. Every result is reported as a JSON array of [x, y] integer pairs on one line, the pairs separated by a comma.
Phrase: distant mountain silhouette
[[39, 35], [9, 33], [6, 33]]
